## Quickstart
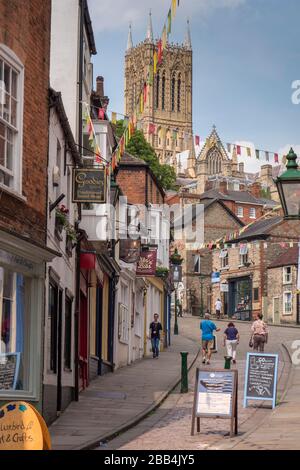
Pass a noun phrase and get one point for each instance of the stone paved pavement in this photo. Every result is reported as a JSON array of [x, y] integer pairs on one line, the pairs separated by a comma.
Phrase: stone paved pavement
[[119, 399], [169, 427]]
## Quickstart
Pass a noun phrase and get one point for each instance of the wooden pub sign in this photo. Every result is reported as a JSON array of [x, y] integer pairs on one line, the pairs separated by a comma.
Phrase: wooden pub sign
[[89, 185], [216, 395]]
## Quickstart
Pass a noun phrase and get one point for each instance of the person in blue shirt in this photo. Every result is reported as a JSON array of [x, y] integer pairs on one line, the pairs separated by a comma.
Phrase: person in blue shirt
[[207, 327]]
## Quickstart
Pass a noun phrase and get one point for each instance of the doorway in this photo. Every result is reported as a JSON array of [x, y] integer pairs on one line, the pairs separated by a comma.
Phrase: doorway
[[83, 343]]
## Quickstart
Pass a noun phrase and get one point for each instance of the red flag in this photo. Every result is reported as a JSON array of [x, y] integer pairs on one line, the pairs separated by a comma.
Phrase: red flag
[[101, 114], [159, 52], [197, 140], [276, 158], [238, 149], [151, 128]]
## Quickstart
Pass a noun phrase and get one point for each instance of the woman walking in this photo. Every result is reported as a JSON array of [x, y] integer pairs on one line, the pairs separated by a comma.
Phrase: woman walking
[[231, 340], [259, 332]]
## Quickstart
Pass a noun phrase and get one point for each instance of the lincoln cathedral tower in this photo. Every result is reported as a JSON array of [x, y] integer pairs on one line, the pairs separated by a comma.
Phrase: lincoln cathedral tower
[[168, 110]]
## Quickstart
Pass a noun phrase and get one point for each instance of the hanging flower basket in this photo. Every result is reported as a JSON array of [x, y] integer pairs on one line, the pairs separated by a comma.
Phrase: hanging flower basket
[[175, 258], [61, 218], [162, 272]]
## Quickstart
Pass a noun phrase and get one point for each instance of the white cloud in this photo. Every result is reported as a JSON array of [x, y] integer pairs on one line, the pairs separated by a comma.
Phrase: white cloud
[[112, 16]]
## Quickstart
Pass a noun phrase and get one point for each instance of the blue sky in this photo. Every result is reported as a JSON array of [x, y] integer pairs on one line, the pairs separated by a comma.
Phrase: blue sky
[[246, 55]]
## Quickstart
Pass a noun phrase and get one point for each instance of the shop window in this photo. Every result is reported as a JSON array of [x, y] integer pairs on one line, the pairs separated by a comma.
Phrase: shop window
[[11, 104], [287, 275], [15, 333], [68, 334], [287, 303], [224, 259]]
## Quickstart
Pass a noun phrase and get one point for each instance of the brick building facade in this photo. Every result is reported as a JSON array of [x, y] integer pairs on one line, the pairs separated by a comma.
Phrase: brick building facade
[[24, 117]]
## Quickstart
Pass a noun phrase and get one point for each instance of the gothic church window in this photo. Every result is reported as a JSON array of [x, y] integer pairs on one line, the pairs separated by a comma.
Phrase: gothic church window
[[179, 93], [163, 92], [173, 92], [157, 90]]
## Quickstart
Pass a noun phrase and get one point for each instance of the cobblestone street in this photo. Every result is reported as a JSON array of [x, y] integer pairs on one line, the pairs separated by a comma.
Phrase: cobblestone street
[[169, 427]]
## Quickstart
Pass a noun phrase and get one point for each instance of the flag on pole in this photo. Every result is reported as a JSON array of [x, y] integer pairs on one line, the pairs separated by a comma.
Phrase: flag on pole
[[145, 92], [169, 22], [229, 148], [114, 118], [248, 152], [238, 150], [276, 158], [159, 52], [257, 154], [267, 156], [164, 38], [197, 140], [174, 5]]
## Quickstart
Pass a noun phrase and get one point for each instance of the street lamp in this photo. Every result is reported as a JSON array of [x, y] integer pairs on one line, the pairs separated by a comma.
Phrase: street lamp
[[288, 186], [176, 262]]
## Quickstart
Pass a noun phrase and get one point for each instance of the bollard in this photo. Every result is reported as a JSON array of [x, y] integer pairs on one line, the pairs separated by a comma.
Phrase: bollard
[[228, 360], [184, 373]]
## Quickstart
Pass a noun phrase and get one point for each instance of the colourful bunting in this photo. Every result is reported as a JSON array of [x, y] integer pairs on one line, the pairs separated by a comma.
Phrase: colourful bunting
[[169, 22], [174, 5], [238, 150], [257, 154], [197, 140], [155, 62], [101, 114], [248, 152], [159, 52], [267, 156], [276, 158]]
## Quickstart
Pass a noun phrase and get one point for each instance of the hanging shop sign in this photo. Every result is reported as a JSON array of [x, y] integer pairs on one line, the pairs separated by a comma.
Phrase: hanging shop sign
[[89, 185], [130, 250], [215, 277], [146, 265], [216, 393], [261, 377], [22, 428], [224, 287]]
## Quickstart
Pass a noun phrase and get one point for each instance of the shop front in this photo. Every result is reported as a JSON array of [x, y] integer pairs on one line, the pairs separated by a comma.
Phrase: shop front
[[22, 285], [240, 298]]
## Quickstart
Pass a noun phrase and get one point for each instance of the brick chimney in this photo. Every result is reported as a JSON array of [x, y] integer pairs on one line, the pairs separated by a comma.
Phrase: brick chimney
[[255, 190], [100, 86], [223, 187]]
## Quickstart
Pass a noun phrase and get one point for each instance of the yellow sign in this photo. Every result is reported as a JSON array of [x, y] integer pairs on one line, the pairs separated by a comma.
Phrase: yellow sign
[[20, 427]]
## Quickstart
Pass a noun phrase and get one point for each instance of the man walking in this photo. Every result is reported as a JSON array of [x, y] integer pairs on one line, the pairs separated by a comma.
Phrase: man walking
[[155, 329], [207, 327], [218, 307]]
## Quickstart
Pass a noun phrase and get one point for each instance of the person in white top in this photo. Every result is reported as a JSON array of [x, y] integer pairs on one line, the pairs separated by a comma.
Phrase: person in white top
[[218, 307]]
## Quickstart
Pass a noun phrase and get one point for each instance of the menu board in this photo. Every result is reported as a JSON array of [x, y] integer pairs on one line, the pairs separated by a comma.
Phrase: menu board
[[9, 370], [261, 377], [215, 393], [216, 397]]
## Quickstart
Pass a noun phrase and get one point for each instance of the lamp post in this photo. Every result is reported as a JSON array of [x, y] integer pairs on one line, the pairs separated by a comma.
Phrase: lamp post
[[288, 186], [176, 262]]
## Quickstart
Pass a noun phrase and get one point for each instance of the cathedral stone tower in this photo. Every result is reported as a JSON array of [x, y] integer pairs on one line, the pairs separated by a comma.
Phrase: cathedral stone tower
[[169, 101]]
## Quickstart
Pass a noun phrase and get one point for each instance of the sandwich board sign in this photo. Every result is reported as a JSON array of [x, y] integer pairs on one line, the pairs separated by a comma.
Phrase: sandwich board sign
[[261, 377], [216, 393]]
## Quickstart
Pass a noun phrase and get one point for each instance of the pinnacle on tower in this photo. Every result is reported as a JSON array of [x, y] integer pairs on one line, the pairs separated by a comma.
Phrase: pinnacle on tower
[[188, 40], [149, 35], [129, 40]]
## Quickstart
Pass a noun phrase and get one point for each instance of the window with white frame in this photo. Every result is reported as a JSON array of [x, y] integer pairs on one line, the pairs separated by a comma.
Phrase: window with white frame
[[224, 259], [240, 211], [11, 104], [252, 213], [287, 303], [243, 255], [287, 275]]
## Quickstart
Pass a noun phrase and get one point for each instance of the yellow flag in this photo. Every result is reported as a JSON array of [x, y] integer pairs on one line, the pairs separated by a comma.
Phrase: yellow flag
[[114, 118], [173, 8], [155, 62]]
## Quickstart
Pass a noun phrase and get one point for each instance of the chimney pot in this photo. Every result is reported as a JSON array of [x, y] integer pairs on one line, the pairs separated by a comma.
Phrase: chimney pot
[[100, 86]]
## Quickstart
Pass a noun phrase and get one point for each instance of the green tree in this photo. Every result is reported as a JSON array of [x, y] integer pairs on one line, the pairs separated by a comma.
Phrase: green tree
[[140, 148]]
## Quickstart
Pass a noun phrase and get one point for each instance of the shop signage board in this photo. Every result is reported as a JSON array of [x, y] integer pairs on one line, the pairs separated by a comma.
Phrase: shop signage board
[[146, 265], [224, 287], [216, 394], [261, 377], [89, 185], [9, 370]]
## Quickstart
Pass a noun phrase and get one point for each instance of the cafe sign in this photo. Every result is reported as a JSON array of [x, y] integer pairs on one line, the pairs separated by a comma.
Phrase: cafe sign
[[89, 185]]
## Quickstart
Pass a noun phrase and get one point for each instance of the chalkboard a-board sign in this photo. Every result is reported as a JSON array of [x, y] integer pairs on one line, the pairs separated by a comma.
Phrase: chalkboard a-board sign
[[261, 377], [215, 396], [9, 370]]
